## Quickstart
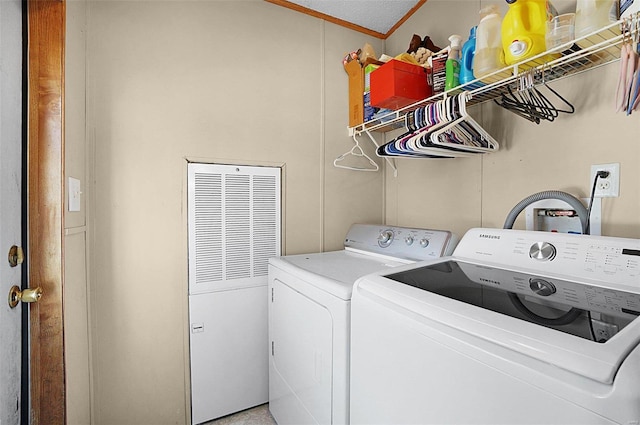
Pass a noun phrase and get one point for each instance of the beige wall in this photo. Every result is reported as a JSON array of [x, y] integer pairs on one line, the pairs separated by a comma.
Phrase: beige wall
[[223, 81], [76, 319], [250, 82], [462, 193], [349, 196]]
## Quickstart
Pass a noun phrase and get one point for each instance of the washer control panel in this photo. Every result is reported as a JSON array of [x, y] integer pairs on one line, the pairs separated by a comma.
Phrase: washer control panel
[[599, 258], [407, 243], [555, 292]]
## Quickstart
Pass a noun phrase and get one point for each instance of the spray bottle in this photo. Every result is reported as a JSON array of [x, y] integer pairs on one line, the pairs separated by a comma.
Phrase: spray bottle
[[452, 65]]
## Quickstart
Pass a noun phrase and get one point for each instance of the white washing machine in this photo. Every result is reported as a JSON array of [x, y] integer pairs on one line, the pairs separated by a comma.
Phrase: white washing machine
[[515, 327], [309, 317]]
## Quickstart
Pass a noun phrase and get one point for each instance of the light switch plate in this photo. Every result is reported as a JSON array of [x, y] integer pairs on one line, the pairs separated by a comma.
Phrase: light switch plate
[[74, 194]]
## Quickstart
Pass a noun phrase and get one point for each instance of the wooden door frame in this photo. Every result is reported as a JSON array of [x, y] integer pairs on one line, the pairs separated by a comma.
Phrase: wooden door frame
[[45, 201]]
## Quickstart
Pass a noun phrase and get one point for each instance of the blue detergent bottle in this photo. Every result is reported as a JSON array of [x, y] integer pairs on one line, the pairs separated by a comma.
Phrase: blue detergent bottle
[[466, 61]]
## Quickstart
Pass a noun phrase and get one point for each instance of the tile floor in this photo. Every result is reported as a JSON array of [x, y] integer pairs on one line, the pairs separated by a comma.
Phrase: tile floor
[[258, 415]]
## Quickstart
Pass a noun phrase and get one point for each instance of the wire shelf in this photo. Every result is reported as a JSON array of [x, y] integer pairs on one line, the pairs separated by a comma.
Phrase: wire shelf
[[591, 51]]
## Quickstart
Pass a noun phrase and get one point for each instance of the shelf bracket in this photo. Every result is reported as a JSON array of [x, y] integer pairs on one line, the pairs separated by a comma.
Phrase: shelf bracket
[[390, 161], [354, 131]]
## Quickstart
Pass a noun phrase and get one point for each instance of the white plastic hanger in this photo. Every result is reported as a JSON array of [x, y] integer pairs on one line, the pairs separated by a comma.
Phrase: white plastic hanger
[[356, 151], [445, 116], [454, 126]]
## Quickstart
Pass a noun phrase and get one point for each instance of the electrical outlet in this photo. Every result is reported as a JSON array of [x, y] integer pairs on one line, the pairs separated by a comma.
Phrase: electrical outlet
[[607, 187]]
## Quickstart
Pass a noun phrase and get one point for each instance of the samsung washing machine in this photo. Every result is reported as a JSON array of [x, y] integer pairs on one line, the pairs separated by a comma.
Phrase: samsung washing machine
[[309, 317], [515, 327]]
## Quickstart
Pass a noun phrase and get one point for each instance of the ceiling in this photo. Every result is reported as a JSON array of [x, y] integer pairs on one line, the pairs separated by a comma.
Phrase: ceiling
[[378, 18]]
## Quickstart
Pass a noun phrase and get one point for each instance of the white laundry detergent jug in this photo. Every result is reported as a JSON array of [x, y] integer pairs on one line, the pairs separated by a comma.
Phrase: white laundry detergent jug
[[592, 15]]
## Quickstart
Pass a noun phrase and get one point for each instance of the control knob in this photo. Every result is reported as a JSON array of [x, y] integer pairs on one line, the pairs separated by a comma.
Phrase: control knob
[[542, 287], [424, 242], [408, 240], [542, 251], [385, 238]]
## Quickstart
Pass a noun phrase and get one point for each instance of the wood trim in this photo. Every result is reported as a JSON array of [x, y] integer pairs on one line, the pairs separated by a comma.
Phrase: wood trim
[[45, 164], [328, 18], [343, 23]]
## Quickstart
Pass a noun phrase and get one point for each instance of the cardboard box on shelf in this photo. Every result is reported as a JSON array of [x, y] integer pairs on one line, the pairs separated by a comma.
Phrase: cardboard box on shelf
[[439, 77], [367, 76], [397, 84], [356, 92], [369, 110]]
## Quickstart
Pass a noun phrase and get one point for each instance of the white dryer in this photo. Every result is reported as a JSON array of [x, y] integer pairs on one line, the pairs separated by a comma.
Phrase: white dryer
[[309, 317], [516, 327]]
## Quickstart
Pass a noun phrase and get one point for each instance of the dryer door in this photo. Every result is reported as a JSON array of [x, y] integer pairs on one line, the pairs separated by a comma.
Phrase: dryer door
[[300, 364]]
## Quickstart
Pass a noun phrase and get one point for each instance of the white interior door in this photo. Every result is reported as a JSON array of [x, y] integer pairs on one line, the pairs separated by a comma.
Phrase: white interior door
[[10, 205]]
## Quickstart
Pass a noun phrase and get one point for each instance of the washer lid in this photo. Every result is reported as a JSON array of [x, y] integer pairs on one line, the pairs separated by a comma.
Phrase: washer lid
[[476, 303], [336, 271], [586, 311]]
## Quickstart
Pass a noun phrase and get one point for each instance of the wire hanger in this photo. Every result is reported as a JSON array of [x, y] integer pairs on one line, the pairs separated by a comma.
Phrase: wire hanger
[[356, 151], [571, 109], [530, 103]]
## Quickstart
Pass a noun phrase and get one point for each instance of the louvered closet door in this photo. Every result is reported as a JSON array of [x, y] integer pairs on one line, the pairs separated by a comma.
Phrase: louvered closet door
[[234, 225]]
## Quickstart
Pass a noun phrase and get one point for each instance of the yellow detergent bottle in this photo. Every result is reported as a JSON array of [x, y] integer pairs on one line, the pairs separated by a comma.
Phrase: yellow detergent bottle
[[523, 29]]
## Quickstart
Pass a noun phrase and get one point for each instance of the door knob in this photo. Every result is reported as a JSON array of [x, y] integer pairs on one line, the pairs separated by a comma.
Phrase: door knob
[[26, 296]]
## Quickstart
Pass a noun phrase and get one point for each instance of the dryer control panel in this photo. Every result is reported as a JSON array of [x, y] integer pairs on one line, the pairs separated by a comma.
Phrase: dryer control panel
[[601, 260], [400, 242]]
